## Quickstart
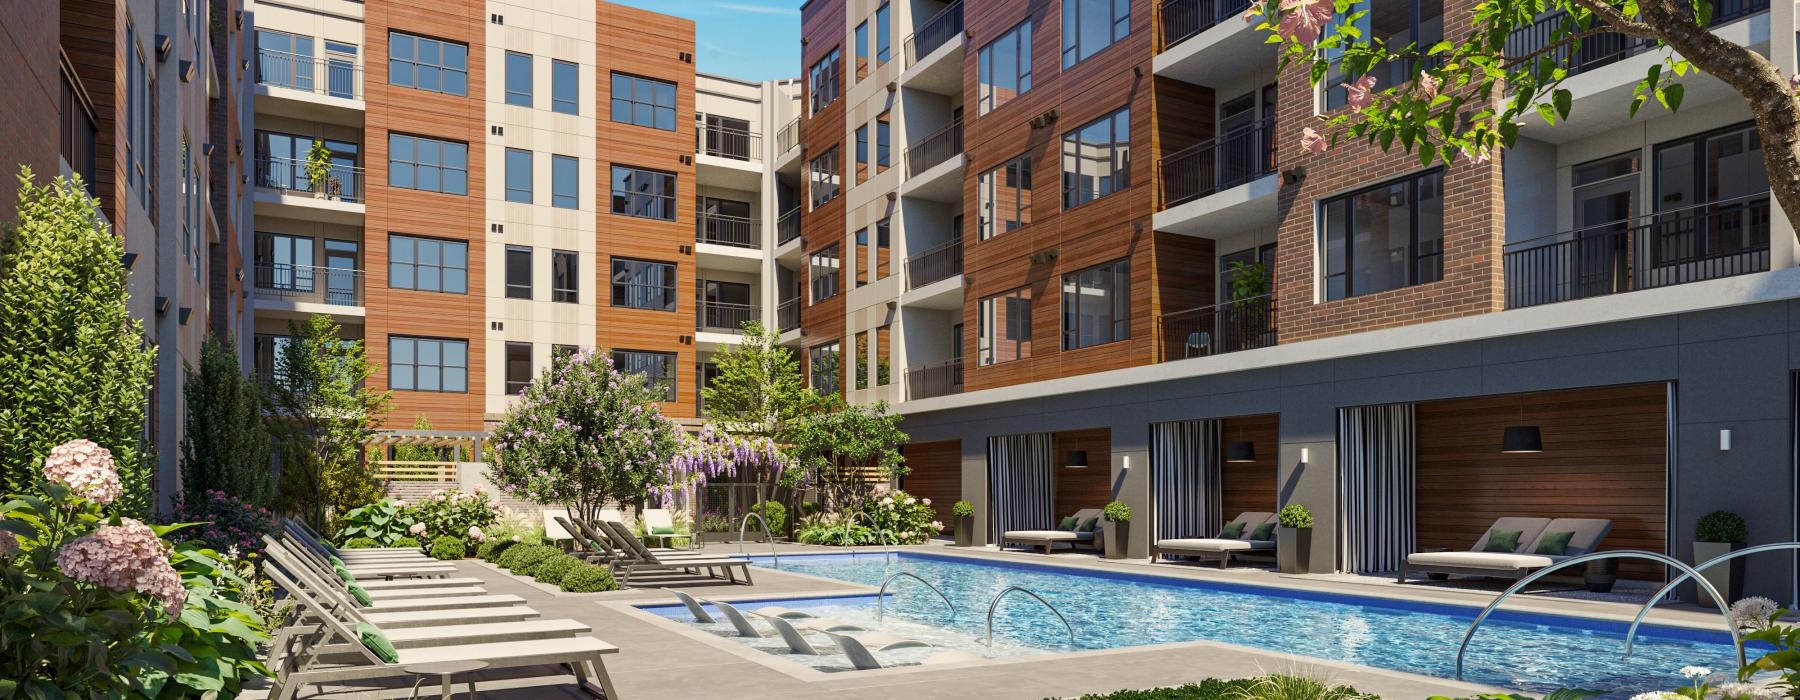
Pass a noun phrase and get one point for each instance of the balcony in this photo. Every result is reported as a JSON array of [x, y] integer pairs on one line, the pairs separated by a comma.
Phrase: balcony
[[1204, 43], [722, 317], [1245, 324], [1218, 164], [934, 53], [300, 290], [939, 263], [934, 166], [936, 379], [321, 89], [787, 315], [1183, 19], [285, 189], [934, 149], [726, 142], [788, 138], [787, 227], [1702, 242], [727, 230], [947, 24], [1607, 47]]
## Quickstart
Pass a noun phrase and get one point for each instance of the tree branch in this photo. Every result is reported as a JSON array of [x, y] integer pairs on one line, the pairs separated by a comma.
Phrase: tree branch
[[1508, 63], [1617, 21]]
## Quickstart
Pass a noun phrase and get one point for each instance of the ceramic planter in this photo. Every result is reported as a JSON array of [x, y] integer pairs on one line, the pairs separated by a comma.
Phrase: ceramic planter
[[1117, 538], [1727, 577], [1293, 549], [965, 531]]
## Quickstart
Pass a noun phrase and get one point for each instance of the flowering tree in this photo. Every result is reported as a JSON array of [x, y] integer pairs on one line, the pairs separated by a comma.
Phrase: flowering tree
[[583, 434], [1467, 93]]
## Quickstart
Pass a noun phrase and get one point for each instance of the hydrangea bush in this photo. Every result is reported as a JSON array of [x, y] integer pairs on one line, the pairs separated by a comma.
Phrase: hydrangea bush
[[382, 521], [223, 521], [452, 513], [907, 520]]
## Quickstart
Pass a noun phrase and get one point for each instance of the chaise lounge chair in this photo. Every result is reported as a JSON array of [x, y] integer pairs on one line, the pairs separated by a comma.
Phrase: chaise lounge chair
[[864, 659], [645, 560], [1250, 532], [1071, 535], [799, 644], [1535, 543]]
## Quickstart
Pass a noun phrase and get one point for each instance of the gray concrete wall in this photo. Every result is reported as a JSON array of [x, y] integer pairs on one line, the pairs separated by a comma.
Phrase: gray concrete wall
[[1731, 368]]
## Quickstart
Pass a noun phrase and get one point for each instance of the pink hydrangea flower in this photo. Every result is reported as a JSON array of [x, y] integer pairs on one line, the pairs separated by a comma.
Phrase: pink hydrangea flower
[[937, 525], [1428, 86], [1362, 92], [417, 529], [925, 501], [1312, 142], [9, 544], [1304, 20], [127, 556], [86, 468], [476, 534], [1477, 155]]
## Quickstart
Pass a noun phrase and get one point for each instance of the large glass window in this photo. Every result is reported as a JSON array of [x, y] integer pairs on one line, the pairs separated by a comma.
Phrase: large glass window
[[1003, 197], [1092, 25], [643, 284], [884, 32], [643, 193], [419, 163], [565, 87], [565, 185], [518, 272], [1096, 305], [825, 270], [428, 64], [884, 143], [428, 264], [862, 50], [1397, 23], [1004, 68], [1005, 327], [518, 176], [1712, 199], [823, 367], [643, 101], [657, 368], [518, 368], [518, 79], [823, 81], [284, 59], [565, 276], [428, 364], [1384, 237], [862, 154], [1096, 159], [823, 177]]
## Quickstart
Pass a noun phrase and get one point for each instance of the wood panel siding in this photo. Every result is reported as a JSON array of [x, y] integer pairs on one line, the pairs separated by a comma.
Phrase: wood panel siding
[[935, 472], [93, 32], [1080, 489], [823, 29], [1605, 456], [1185, 277], [1249, 486], [1186, 114]]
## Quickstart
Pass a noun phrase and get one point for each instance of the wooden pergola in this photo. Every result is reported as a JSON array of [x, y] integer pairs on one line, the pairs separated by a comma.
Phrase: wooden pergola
[[407, 470]]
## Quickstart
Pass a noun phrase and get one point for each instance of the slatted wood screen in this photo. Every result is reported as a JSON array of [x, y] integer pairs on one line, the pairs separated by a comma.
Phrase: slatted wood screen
[[936, 473], [1249, 486], [1605, 456], [1080, 489]]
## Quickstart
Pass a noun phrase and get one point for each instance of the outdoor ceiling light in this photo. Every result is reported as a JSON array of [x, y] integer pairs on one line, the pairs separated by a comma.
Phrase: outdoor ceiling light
[[1075, 459], [1240, 451], [1522, 439]]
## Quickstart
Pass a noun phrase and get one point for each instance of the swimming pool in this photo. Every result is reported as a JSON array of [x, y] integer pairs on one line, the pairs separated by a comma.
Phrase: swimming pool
[[1527, 651]]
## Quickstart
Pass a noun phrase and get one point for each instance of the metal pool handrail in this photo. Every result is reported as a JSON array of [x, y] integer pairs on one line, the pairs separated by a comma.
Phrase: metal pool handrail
[[882, 533], [1631, 634], [1009, 589], [1724, 608], [881, 596], [745, 525]]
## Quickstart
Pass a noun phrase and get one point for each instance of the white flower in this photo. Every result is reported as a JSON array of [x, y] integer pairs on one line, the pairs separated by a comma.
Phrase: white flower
[[400, 503], [417, 529], [516, 538], [925, 501], [1693, 672], [1656, 695], [1737, 690], [937, 525], [1753, 613], [887, 500], [908, 501]]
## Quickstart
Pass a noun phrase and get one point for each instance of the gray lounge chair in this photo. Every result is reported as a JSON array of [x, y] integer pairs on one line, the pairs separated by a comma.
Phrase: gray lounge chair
[[645, 560], [1532, 553], [700, 614], [1048, 539], [1221, 549], [795, 636]]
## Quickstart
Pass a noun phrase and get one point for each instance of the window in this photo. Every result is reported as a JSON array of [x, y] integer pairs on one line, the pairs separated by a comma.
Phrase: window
[[137, 141], [657, 368], [1004, 327], [1096, 159], [822, 367], [518, 79], [1092, 25], [1003, 69], [428, 64], [823, 177], [822, 81], [565, 276], [643, 101], [560, 351], [1003, 197], [428, 264], [518, 176], [644, 193], [825, 270], [1096, 305], [418, 163], [881, 247], [641, 284], [565, 87], [565, 192], [861, 348], [341, 79], [428, 364], [884, 31], [1713, 194], [1398, 23], [862, 154], [884, 144], [518, 368], [859, 262], [284, 60], [518, 272], [862, 50], [1385, 237]]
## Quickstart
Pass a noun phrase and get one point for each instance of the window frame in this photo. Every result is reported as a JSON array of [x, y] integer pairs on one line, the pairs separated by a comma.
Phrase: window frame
[[560, 102], [649, 292], [515, 386], [416, 165], [514, 192], [514, 96], [1413, 258], [443, 66], [518, 272], [628, 199], [824, 83], [632, 104], [1119, 175], [817, 194], [561, 180], [1019, 305], [987, 197], [669, 361], [1119, 297], [565, 276], [884, 34], [833, 380], [394, 363], [413, 263], [835, 273], [987, 98], [1073, 50]]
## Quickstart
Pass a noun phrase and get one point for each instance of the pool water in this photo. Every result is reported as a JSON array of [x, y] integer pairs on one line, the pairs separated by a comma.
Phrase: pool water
[[1526, 651]]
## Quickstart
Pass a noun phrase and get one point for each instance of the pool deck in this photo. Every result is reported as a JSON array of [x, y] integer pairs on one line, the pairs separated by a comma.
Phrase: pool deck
[[659, 658]]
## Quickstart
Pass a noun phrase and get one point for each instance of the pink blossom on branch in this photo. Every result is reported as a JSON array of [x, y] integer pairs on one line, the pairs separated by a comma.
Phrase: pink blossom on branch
[[1304, 20], [1312, 142], [1428, 86], [1362, 92], [86, 468]]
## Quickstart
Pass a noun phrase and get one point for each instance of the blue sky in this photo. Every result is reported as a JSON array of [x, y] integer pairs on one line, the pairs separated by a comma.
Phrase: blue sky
[[745, 39]]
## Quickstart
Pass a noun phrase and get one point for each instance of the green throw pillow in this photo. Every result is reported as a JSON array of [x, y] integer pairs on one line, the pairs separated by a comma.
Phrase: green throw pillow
[[1262, 532], [1554, 543], [663, 530], [1067, 524], [344, 574], [1506, 541], [362, 596], [1232, 531], [377, 642], [335, 561], [1087, 525]]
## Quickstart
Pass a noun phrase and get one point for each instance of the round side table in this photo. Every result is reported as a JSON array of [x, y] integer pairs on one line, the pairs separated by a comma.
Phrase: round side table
[[445, 671]]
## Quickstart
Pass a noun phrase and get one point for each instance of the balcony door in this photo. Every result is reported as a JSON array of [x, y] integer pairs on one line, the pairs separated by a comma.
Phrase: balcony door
[[727, 222], [727, 137], [1606, 202], [1712, 204], [284, 262], [340, 272], [725, 304], [340, 69]]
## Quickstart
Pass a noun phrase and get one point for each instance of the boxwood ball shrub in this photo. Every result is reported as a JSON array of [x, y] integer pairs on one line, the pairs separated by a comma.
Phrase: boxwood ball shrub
[[1295, 516], [1721, 526], [589, 578], [406, 542], [1116, 512], [526, 561], [551, 570], [361, 543], [447, 547], [962, 509]]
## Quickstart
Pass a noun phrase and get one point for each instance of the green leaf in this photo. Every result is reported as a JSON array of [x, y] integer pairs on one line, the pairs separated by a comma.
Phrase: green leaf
[[1670, 96], [1426, 152], [1547, 112], [1636, 103], [1562, 99]]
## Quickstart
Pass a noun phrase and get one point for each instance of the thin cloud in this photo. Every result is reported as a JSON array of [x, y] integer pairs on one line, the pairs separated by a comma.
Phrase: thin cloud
[[758, 9]]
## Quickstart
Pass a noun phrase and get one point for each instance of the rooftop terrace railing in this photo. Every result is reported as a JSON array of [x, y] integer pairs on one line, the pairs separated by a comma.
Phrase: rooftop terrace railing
[[1245, 324], [935, 32]]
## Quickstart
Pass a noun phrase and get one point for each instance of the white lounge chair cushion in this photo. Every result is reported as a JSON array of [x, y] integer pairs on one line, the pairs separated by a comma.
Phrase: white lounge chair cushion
[[1208, 544], [1048, 535], [1496, 561], [486, 632], [508, 654]]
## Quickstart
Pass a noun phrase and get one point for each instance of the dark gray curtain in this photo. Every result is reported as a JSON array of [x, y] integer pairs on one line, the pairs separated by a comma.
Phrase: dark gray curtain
[[1021, 483], [1377, 475], [1185, 479]]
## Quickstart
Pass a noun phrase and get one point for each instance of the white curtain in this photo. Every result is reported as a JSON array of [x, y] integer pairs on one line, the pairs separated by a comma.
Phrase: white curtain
[[1021, 483], [1185, 480], [1377, 477]]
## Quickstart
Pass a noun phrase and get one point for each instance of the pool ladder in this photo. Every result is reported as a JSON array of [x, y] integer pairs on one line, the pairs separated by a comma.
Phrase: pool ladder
[[995, 604], [887, 554], [881, 596], [744, 526]]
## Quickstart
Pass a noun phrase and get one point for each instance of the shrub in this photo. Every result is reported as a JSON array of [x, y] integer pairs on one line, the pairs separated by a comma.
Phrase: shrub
[[1721, 526], [225, 445], [447, 547], [1116, 512], [773, 512], [527, 558], [384, 521], [963, 509], [1294, 515], [1277, 687], [361, 543], [406, 542], [226, 522], [1209, 689], [589, 578], [449, 512], [907, 520], [551, 570], [492, 549]]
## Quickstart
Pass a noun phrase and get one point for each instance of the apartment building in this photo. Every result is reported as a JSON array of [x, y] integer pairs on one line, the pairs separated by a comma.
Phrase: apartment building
[[146, 101], [1199, 319]]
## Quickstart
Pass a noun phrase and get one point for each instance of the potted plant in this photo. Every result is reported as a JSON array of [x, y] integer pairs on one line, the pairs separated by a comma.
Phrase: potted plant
[[1293, 539], [965, 523], [318, 168], [1718, 533], [1118, 529]]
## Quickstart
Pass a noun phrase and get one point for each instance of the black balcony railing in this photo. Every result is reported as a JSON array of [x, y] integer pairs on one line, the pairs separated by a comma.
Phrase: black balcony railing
[[724, 229], [726, 142], [332, 77], [936, 379], [935, 32], [336, 182], [721, 316], [788, 137], [938, 263], [1697, 243], [1606, 47], [335, 286], [787, 227], [1182, 19], [1218, 163], [787, 315], [940, 146], [1244, 324]]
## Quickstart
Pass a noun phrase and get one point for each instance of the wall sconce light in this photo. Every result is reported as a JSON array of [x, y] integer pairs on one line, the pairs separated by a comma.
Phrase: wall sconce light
[[162, 305], [1725, 440], [1127, 464], [129, 260], [1075, 459], [1305, 455]]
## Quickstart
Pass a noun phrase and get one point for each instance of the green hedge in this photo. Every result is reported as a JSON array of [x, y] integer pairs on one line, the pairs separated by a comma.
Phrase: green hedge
[[525, 559], [551, 570], [406, 542], [448, 547], [589, 578], [361, 543]]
